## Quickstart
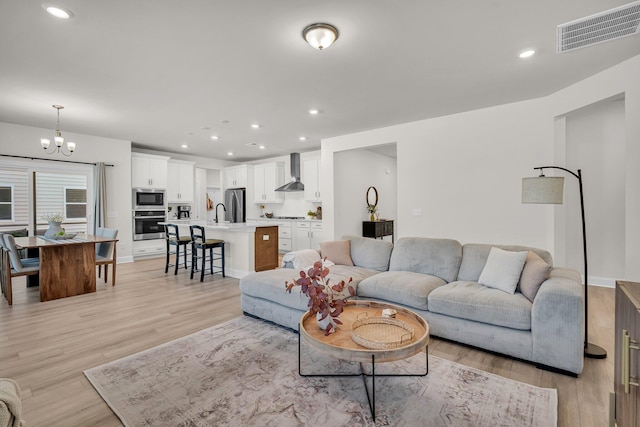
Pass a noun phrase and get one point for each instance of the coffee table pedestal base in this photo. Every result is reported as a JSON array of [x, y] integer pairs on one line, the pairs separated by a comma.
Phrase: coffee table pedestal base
[[371, 395]]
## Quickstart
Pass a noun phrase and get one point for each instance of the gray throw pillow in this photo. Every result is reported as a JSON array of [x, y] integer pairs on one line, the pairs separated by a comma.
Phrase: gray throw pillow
[[502, 270], [534, 273]]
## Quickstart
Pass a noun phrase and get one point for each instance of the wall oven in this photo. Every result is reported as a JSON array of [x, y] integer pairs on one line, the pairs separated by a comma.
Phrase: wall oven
[[145, 224], [148, 199]]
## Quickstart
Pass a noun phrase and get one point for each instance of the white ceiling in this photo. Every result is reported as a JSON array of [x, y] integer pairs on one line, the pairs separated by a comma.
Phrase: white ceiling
[[158, 72]]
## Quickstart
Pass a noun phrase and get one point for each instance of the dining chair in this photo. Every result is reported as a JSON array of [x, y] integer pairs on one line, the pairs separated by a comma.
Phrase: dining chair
[[105, 253], [173, 238], [199, 246], [13, 265]]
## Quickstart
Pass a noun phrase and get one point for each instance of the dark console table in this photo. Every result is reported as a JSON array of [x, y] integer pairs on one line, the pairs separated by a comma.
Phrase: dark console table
[[378, 229]]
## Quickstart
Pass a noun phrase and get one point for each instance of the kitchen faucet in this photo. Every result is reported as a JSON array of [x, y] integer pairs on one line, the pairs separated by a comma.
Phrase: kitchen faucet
[[223, 207]]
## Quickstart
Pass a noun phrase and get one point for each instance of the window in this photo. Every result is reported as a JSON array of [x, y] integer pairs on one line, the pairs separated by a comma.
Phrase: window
[[6, 203], [75, 203]]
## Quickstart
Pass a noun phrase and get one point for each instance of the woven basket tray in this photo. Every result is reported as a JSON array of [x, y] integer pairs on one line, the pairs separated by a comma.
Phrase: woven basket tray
[[381, 333]]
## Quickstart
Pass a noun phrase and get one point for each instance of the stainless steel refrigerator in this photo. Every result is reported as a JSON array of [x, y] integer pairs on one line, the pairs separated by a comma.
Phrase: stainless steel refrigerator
[[235, 202]]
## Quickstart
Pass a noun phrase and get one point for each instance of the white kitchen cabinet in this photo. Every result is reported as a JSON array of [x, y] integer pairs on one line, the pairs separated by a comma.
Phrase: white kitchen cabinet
[[266, 178], [308, 235], [311, 180], [149, 248], [180, 182], [148, 171], [236, 176], [284, 237]]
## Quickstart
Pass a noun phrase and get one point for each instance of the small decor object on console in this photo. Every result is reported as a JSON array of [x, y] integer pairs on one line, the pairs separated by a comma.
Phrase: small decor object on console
[[325, 300]]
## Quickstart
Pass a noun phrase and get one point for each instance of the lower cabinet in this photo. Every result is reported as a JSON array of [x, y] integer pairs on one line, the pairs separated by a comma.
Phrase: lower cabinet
[[627, 355], [284, 237], [266, 248], [149, 248], [308, 235]]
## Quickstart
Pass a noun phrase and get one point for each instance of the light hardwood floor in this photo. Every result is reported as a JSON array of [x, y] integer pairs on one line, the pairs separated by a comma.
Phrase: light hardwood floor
[[46, 346]]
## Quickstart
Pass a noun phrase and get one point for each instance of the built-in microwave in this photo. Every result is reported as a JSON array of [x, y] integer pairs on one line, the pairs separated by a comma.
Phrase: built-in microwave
[[148, 199]]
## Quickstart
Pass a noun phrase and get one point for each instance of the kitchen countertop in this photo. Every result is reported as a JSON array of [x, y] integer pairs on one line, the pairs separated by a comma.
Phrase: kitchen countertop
[[284, 220], [240, 227]]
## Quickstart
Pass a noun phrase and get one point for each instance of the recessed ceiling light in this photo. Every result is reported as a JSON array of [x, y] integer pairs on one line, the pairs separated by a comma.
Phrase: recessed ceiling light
[[205, 128], [184, 146], [313, 111], [57, 11], [527, 53], [262, 147], [215, 137], [255, 126], [303, 138], [230, 153], [225, 121]]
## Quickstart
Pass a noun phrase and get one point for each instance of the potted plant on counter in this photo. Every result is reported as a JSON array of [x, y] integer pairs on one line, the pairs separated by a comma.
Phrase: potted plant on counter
[[326, 301], [311, 214]]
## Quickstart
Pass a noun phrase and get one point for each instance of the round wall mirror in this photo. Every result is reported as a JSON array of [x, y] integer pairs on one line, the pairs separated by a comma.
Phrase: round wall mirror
[[372, 196]]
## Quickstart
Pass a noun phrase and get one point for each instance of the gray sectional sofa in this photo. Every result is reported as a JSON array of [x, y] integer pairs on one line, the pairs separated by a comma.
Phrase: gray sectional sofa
[[438, 279]]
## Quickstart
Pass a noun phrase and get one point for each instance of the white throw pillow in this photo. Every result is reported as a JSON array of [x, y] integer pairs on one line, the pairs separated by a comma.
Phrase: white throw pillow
[[502, 270]]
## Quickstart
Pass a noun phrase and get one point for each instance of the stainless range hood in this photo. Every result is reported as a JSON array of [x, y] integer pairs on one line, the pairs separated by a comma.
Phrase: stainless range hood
[[294, 184]]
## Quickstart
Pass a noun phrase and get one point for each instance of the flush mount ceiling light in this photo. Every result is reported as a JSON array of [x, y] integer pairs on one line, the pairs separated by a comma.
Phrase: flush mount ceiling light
[[313, 111], [320, 36], [303, 138], [57, 11], [58, 139], [255, 126]]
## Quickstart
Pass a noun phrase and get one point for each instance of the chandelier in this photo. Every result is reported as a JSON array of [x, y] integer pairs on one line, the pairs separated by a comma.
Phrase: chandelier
[[58, 139]]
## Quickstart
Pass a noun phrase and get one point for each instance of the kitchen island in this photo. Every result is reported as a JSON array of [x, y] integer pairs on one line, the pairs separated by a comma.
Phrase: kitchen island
[[249, 246]]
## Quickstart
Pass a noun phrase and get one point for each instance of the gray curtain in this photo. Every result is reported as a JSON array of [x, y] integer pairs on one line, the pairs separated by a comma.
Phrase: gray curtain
[[100, 197]]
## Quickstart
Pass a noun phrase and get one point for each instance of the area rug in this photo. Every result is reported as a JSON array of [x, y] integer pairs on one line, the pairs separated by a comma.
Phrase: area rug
[[245, 373]]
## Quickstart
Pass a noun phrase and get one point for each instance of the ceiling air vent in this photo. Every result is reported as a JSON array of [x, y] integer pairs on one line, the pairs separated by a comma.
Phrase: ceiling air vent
[[609, 25]]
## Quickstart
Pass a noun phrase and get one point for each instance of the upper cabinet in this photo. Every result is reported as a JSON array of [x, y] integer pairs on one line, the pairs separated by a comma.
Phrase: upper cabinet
[[180, 182], [236, 176], [148, 171], [266, 178], [311, 180]]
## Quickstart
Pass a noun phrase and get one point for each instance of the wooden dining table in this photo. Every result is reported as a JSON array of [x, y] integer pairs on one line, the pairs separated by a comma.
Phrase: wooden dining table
[[68, 266]]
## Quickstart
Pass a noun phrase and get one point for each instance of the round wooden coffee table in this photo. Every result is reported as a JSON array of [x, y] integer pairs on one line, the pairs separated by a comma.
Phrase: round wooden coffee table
[[341, 346]]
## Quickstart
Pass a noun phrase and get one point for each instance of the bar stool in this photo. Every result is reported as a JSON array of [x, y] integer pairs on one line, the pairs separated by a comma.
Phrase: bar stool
[[174, 239], [199, 242]]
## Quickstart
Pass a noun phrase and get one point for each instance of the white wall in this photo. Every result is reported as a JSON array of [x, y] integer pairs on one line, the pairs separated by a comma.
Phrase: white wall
[[25, 141], [620, 81], [464, 171], [595, 143], [355, 171]]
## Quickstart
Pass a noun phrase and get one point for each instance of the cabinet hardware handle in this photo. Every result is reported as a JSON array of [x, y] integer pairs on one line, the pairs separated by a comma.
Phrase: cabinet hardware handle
[[627, 345]]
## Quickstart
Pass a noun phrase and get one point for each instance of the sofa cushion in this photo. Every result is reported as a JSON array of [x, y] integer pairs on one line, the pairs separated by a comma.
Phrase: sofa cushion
[[337, 251], [437, 257], [534, 273], [474, 257], [473, 301], [503, 269], [270, 285], [370, 253], [402, 287]]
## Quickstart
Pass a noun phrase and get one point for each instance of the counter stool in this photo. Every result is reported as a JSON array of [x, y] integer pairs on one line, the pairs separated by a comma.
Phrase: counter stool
[[174, 239], [199, 242]]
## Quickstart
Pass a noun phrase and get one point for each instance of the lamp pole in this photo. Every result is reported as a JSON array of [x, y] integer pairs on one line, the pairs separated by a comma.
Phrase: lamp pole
[[590, 350]]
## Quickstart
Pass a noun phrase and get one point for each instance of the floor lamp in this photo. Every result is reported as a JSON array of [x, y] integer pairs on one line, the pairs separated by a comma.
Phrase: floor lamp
[[545, 189]]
